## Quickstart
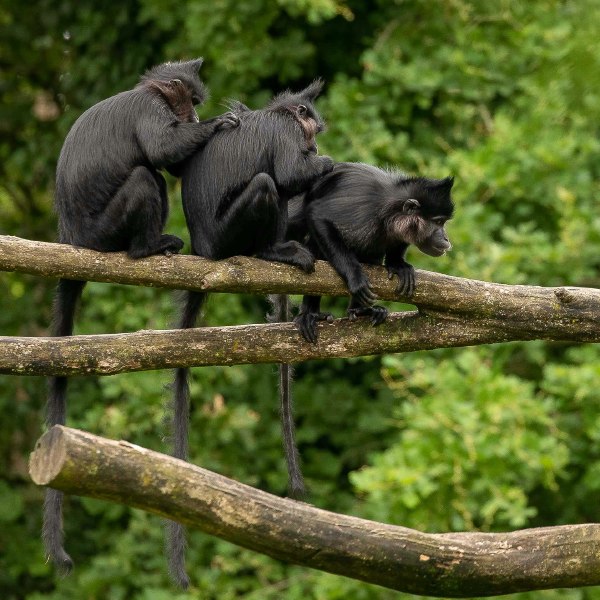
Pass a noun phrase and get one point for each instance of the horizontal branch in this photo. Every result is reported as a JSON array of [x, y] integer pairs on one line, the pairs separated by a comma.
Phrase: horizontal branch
[[449, 565], [452, 312], [244, 344], [241, 274]]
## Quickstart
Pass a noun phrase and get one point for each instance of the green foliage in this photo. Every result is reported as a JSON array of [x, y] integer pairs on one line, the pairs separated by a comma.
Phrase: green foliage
[[506, 97]]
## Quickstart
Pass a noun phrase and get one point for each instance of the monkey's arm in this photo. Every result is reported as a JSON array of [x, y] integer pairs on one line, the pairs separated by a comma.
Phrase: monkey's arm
[[397, 265], [343, 260], [167, 141]]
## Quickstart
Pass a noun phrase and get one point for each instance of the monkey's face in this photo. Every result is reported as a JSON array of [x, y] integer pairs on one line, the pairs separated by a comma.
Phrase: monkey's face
[[308, 123], [434, 240], [428, 234], [179, 98]]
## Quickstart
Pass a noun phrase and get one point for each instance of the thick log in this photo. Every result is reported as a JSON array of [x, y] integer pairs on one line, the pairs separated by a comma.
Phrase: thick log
[[448, 565]]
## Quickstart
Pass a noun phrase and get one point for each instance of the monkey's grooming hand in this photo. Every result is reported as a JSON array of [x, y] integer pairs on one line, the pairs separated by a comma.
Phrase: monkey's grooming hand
[[327, 164], [228, 120], [378, 314], [406, 277], [307, 324]]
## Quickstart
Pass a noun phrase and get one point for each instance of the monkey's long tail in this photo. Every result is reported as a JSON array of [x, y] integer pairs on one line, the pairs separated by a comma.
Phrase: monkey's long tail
[[175, 540], [68, 293], [296, 487]]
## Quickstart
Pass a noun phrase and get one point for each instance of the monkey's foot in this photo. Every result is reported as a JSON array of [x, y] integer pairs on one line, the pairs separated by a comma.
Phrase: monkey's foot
[[290, 253], [168, 244], [307, 324], [378, 314], [406, 277]]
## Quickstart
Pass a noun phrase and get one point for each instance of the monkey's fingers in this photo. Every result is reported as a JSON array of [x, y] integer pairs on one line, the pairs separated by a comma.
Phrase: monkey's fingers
[[365, 296], [229, 121], [406, 287]]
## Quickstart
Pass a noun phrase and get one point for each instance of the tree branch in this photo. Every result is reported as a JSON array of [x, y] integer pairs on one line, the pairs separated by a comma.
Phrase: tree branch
[[452, 312], [241, 274], [450, 565]]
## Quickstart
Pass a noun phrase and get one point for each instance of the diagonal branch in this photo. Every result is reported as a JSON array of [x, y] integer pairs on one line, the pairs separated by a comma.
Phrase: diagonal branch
[[449, 565]]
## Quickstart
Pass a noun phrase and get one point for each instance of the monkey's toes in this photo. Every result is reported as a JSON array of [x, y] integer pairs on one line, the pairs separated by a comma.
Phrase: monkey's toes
[[307, 325], [378, 315]]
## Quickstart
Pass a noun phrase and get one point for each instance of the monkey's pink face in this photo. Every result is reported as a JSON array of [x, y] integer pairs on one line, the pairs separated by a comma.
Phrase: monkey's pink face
[[428, 235], [310, 128]]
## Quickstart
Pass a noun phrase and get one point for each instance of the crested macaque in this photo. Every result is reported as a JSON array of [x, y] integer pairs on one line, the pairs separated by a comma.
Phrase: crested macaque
[[111, 197], [235, 193], [360, 213]]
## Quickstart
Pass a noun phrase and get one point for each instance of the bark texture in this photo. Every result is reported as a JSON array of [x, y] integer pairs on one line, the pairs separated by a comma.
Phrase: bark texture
[[449, 565], [451, 312]]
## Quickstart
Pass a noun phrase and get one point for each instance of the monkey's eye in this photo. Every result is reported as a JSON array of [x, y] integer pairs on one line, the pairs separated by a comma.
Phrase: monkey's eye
[[439, 221], [301, 110]]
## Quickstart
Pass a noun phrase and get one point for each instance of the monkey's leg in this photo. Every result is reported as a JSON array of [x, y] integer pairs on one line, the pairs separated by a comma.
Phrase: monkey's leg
[[290, 252], [257, 212], [134, 218]]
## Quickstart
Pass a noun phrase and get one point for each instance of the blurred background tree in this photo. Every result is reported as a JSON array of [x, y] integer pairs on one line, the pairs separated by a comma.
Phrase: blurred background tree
[[503, 95]]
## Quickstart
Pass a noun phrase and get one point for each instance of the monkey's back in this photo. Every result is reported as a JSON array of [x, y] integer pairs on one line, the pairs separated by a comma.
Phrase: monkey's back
[[222, 169], [97, 156], [353, 196]]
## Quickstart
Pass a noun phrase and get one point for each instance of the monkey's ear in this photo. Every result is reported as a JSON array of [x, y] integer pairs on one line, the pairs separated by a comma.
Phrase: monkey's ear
[[411, 206], [313, 90], [448, 182], [196, 64]]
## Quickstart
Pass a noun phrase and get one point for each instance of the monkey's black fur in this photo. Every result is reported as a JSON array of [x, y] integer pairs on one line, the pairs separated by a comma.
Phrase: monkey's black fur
[[235, 193], [110, 196], [360, 213]]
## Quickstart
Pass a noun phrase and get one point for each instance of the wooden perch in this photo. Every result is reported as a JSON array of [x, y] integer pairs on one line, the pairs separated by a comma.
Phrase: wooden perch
[[450, 565], [452, 312]]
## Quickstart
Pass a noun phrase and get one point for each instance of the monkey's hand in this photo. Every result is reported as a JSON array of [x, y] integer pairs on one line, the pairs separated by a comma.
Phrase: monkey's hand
[[228, 120], [378, 314], [307, 324], [406, 277], [327, 164]]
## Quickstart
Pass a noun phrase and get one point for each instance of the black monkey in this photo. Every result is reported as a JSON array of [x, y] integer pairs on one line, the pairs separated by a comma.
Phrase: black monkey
[[235, 193], [360, 213], [111, 197]]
